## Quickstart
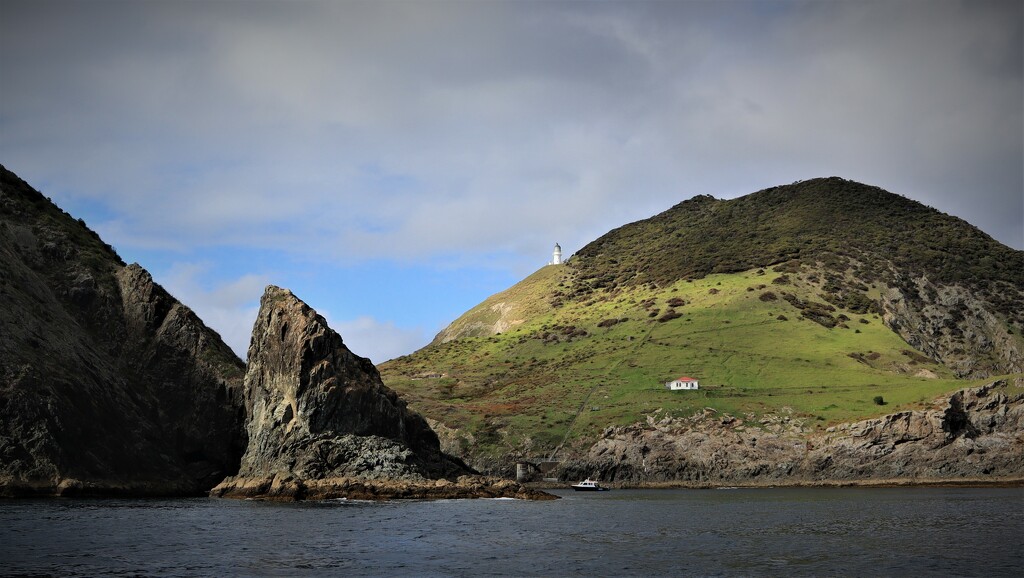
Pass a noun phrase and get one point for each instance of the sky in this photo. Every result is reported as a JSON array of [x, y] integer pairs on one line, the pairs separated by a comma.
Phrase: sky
[[395, 163]]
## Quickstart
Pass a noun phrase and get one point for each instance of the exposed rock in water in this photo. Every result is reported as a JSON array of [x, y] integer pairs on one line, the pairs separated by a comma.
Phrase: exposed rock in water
[[321, 423], [974, 435], [279, 488], [108, 385]]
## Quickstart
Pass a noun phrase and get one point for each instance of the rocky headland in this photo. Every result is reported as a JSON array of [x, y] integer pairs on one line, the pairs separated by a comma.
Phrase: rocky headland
[[974, 436], [321, 424], [108, 385]]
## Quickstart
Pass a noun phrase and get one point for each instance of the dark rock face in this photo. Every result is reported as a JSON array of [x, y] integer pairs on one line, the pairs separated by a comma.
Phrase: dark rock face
[[318, 411], [974, 435], [321, 424], [108, 385]]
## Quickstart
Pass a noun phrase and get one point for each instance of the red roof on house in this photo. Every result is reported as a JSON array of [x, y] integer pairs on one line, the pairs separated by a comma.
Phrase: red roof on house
[[684, 378]]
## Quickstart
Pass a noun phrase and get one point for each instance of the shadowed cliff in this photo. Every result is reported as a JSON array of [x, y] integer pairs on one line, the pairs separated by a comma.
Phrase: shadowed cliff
[[108, 385]]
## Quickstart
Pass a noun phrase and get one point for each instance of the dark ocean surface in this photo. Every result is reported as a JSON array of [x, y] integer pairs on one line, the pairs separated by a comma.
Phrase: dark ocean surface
[[772, 532]]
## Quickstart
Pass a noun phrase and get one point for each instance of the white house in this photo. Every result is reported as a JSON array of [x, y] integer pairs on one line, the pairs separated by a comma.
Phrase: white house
[[683, 383]]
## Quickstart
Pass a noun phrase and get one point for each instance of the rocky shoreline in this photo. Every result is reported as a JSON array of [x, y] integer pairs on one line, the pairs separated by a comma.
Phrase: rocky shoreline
[[973, 436], [1008, 482], [292, 489], [75, 488]]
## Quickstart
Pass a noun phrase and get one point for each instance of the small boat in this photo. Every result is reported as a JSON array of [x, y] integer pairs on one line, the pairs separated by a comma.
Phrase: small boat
[[589, 485]]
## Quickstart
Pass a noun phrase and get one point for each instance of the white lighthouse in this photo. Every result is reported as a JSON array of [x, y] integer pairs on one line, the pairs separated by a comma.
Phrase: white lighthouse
[[556, 256]]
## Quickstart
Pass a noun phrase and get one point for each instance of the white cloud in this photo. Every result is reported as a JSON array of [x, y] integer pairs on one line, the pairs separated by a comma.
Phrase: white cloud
[[378, 340], [229, 307]]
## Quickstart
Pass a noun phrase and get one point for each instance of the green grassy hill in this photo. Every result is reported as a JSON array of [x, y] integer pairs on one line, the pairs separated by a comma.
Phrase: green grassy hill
[[793, 321]]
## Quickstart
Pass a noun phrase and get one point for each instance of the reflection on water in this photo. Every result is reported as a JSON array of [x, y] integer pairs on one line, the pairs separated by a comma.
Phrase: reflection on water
[[899, 531]]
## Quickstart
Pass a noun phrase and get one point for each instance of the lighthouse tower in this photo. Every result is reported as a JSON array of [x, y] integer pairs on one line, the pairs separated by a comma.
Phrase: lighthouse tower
[[556, 256]]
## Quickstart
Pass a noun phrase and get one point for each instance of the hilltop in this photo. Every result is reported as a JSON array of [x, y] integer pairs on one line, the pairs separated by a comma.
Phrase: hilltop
[[848, 225], [820, 302]]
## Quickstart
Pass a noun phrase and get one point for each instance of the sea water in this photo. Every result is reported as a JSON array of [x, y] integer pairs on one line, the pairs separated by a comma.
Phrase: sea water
[[771, 532]]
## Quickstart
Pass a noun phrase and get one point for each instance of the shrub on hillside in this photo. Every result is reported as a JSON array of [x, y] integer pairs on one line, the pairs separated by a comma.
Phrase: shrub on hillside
[[788, 267], [916, 357], [669, 315], [853, 301], [820, 317]]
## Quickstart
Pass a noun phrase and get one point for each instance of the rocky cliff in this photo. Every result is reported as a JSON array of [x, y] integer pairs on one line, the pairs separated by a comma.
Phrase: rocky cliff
[[108, 385], [955, 325], [974, 435], [322, 424]]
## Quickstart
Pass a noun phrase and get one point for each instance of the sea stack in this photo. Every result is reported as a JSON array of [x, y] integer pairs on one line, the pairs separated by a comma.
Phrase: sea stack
[[321, 424]]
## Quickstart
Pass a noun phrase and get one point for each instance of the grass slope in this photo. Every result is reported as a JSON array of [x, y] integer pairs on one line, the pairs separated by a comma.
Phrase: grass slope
[[572, 370]]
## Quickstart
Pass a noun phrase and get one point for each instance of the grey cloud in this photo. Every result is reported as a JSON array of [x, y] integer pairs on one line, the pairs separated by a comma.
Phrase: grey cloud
[[418, 129]]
